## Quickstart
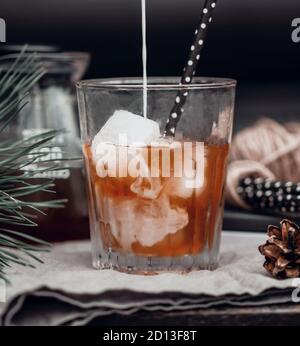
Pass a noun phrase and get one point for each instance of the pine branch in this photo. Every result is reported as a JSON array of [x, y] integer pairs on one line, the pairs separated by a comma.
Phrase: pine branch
[[15, 156]]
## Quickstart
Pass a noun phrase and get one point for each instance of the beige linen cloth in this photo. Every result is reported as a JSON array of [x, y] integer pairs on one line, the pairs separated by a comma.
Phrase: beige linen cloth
[[66, 290]]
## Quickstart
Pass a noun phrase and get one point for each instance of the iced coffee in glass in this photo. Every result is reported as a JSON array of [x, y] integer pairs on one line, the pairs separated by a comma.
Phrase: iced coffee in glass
[[155, 201]]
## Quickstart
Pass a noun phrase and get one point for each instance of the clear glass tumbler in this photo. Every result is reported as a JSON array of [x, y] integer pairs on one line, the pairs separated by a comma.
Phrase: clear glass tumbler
[[170, 217]]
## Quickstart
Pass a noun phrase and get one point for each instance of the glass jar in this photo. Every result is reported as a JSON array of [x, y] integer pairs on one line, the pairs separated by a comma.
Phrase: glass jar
[[52, 106]]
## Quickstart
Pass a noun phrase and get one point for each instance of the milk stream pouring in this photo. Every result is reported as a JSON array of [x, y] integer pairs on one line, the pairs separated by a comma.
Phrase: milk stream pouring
[[144, 54]]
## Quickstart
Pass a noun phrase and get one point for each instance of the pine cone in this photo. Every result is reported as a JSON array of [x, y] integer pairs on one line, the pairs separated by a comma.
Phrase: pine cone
[[282, 250]]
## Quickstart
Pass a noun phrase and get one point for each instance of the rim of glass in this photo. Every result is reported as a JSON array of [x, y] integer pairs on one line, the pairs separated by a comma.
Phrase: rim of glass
[[157, 83], [55, 62], [64, 55]]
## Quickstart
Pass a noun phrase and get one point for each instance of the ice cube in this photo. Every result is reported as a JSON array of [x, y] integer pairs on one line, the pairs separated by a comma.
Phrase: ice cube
[[121, 130], [144, 221], [193, 172], [125, 128]]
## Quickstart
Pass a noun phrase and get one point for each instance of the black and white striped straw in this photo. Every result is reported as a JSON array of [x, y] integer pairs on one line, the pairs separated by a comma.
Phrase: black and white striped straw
[[190, 67]]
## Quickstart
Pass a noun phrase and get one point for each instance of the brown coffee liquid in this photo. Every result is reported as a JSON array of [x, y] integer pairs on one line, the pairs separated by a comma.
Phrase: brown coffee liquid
[[203, 206]]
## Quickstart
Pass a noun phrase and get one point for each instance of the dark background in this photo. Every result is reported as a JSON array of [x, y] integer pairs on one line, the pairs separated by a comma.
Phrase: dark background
[[248, 40]]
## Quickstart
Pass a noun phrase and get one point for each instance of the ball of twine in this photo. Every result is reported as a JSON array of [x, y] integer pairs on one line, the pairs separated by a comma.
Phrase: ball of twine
[[267, 149]]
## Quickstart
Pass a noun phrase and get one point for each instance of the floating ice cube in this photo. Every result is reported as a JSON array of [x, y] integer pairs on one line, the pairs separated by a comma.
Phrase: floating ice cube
[[122, 129], [125, 128]]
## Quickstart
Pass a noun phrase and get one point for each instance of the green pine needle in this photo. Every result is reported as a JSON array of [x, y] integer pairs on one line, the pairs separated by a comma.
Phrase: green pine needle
[[17, 247]]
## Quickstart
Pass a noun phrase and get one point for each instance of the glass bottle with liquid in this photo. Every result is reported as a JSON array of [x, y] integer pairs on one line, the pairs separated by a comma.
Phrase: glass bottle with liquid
[[52, 106]]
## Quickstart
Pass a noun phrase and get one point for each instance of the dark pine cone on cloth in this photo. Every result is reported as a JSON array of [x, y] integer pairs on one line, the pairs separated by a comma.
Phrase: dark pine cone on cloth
[[282, 250]]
